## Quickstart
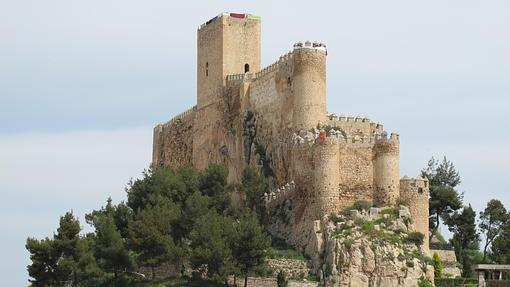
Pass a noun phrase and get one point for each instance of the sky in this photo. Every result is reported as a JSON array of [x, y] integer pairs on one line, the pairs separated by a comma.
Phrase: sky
[[82, 83]]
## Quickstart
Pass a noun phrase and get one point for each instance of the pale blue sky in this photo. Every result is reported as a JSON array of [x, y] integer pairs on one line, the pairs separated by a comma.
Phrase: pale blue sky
[[83, 82]]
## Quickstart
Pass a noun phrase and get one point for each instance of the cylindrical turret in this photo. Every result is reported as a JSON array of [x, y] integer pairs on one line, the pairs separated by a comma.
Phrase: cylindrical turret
[[415, 194], [387, 169], [309, 85], [326, 178]]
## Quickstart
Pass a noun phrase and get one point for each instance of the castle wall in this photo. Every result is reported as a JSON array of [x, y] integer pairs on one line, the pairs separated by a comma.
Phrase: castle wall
[[415, 194], [309, 87], [356, 172], [387, 170], [355, 126], [173, 141], [326, 181]]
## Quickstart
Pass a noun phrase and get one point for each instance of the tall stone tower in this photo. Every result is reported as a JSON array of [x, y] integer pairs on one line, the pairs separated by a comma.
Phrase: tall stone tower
[[227, 44], [309, 86]]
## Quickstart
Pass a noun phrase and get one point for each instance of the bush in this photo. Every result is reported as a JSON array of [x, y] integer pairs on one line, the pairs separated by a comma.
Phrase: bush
[[438, 266], [416, 238], [281, 279], [335, 218], [422, 282], [362, 205]]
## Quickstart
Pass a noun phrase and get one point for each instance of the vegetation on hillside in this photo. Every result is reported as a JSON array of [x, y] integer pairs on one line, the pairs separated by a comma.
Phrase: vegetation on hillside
[[446, 206], [180, 216]]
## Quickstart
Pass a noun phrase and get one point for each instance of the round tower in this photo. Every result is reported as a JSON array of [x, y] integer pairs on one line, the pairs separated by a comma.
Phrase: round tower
[[326, 177], [387, 169], [309, 85], [415, 194]]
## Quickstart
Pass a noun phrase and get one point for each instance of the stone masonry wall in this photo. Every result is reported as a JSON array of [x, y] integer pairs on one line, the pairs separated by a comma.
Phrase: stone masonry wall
[[326, 158], [173, 141], [356, 172], [415, 194], [387, 170]]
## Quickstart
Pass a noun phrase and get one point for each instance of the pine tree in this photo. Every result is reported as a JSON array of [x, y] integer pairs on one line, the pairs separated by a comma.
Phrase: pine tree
[[444, 199], [111, 253], [492, 219], [42, 270], [150, 234], [250, 244], [465, 236], [211, 240]]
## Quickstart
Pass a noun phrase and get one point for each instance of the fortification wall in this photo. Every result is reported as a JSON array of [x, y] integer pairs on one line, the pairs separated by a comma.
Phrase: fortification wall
[[326, 181], [173, 140], [309, 87], [355, 126], [415, 194], [387, 169], [356, 172]]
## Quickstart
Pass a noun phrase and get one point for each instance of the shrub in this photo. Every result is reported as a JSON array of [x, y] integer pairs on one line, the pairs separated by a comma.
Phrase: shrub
[[438, 266], [348, 243], [313, 278], [422, 282], [281, 279], [362, 205], [415, 237], [335, 218]]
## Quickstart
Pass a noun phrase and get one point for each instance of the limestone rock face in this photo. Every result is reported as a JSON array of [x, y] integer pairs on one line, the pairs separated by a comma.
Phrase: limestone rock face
[[363, 249]]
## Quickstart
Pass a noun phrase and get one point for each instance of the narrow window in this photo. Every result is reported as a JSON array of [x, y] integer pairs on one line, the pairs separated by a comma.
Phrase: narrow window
[[207, 69], [246, 68]]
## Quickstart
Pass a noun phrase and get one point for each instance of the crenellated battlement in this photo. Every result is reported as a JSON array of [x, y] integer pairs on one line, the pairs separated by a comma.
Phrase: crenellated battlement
[[228, 14], [279, 195], [414, 184], [274, 66], [383, 138], [311, 46]]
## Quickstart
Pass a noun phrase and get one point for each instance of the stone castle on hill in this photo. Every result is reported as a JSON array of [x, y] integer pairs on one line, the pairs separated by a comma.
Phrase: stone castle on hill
[[275, 118]]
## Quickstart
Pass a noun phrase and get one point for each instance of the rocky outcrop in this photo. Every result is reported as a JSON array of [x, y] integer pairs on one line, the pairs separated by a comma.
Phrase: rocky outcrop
[[365, 248]]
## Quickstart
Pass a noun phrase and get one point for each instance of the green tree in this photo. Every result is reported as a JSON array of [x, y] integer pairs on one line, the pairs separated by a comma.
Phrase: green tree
[[213, 183], [500, 249], [173, 184], [211, 240], [110, 250], [150, 234], [65, 243], [250, 244], [120, 213], [465, 235], [441, 173], [492, 219], [65, 259], [44, 259], [438, 266], [253, 185], [196, 206], [87, 267], [444, 199]]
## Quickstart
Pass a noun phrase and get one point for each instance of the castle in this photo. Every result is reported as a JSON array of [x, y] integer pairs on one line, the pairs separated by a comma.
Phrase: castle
[[275, 118]]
